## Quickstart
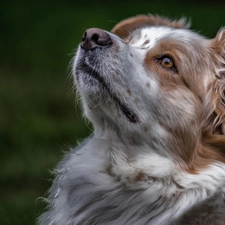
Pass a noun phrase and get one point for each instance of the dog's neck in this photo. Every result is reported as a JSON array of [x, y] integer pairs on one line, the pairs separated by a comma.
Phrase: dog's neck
[[141, 163], [159, 178]]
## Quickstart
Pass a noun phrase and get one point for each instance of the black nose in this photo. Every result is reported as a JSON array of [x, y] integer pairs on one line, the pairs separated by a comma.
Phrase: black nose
[[94, 38]]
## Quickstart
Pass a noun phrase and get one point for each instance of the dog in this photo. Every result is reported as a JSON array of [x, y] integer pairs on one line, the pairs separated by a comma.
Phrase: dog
[[154, 91]]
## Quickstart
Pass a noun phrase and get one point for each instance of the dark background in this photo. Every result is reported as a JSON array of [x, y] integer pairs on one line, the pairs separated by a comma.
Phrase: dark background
[[39, 116]]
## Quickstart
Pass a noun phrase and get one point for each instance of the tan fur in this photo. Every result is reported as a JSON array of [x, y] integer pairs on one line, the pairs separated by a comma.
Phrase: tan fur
[[123, 28]]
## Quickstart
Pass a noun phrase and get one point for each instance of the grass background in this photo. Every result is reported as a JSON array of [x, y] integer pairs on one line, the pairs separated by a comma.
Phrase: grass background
[[39, 117]]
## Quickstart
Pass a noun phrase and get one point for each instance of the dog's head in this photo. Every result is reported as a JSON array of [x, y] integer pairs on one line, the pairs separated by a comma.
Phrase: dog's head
[[157, 84]]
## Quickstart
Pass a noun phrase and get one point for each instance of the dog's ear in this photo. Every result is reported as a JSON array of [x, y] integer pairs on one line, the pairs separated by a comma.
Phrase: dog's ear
[[212, 142], [219, 47], [215, 96], [123, 28]]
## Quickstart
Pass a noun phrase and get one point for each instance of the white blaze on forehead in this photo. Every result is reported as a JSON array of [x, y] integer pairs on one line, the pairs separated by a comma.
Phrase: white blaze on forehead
[[147, 37]]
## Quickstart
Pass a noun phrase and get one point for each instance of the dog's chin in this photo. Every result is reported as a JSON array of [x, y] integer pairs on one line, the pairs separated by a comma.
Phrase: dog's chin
[[96, 87]]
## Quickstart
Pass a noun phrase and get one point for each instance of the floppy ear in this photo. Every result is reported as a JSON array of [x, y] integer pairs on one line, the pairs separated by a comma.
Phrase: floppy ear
[[212, 142], [215, 104], [126, 26]]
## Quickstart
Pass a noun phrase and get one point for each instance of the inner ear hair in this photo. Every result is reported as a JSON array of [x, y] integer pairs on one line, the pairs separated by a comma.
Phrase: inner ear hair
[[125, 27]]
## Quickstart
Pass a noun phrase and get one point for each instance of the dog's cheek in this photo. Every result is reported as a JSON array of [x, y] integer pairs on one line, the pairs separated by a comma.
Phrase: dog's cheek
[[179, 107]]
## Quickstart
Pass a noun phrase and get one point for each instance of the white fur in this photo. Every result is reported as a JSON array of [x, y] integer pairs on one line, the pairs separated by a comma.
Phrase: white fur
[[125, 173]]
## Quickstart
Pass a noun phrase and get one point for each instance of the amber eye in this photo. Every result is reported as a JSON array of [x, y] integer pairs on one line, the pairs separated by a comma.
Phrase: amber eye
[[167, 62]]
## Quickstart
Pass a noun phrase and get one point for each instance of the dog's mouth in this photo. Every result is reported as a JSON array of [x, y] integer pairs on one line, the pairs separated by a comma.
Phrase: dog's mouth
[[131, 116]]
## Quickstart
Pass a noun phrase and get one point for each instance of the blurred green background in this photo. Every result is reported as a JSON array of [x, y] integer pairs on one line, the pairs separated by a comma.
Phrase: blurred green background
[[39, 117]]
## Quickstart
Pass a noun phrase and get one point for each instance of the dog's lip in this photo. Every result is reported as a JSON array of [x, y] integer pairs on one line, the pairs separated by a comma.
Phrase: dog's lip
[[92, 72]]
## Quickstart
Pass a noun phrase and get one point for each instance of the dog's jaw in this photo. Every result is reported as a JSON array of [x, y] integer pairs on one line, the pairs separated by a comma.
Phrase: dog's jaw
[[104, 83]]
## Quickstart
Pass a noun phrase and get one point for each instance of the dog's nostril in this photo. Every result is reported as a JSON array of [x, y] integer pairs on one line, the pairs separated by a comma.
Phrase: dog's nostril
[[94, 38]]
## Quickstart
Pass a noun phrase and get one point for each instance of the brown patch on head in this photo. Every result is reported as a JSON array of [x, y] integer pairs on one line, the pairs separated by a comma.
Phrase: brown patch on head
[[125, 27], [189, 65], [167, 78]]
